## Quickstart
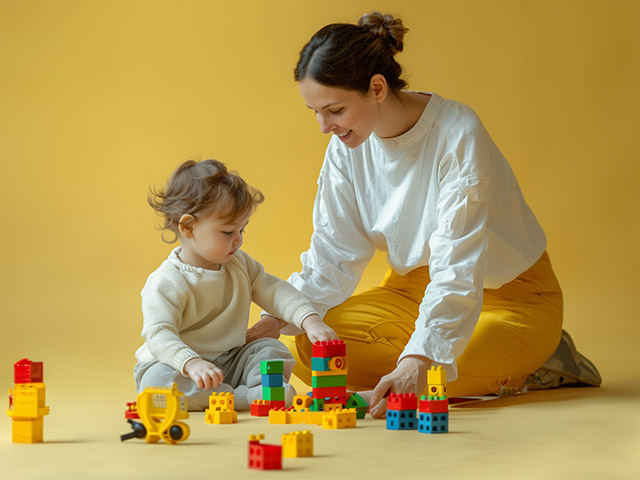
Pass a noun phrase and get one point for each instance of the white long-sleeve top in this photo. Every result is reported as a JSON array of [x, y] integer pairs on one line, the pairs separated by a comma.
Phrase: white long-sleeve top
[[440, 195], [194, 312]]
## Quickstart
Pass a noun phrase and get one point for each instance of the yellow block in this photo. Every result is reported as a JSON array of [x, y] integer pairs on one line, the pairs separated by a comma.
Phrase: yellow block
[[220, 417], [341, 419], [27, 431], [297, 444], [222, 401]]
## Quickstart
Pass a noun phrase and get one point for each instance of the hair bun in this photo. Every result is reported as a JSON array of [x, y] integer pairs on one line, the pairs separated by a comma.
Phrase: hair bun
[[386, 27]]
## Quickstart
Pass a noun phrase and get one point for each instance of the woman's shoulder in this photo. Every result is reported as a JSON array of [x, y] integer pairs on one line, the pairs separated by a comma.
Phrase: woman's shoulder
[[457, 117]]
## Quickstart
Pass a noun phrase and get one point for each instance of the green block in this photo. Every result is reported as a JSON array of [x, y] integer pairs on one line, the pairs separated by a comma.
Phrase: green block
[[273, 393], [329, 381], [317, 405], [356, 400], [269, 367]]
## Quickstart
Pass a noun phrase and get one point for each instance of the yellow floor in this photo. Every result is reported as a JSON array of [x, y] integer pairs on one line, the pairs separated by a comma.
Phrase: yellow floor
[[565, 433]]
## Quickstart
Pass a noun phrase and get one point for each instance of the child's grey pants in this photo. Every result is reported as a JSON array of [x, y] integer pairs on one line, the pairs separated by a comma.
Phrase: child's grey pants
[[240, 367]]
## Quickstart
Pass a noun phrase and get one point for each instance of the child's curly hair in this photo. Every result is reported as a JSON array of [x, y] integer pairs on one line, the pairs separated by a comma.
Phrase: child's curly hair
[[201, 188]]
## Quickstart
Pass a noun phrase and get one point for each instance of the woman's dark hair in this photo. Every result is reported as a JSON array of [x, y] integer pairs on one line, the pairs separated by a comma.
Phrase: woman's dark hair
[[347, 56]]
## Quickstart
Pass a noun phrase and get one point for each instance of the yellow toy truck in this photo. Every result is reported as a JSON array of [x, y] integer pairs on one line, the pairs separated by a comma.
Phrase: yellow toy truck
[[160, 409]]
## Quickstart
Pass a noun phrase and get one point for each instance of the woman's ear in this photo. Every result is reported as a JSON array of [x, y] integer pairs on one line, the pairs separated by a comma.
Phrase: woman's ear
[[378, 87], [185, 225]]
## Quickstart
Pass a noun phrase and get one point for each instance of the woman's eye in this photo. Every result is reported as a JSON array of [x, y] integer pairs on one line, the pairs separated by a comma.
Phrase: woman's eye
[[227, 233], [336, 112]]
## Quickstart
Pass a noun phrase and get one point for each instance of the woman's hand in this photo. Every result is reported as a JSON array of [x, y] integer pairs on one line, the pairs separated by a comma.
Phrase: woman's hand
[[205, 374], [317, 330], [409, 376], [266, 327]]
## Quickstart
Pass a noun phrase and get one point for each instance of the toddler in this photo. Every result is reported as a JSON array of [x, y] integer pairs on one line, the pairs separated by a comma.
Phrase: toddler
[[196, 304]]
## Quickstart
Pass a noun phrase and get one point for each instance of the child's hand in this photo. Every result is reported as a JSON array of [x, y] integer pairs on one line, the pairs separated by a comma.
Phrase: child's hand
[[266, 327], [317, 330], [205, 374]]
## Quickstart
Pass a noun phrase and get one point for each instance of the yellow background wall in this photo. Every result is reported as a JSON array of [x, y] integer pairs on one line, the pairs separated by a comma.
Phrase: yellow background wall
[[101, 99]]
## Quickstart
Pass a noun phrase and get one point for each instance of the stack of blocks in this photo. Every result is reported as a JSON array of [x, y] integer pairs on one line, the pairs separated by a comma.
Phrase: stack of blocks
[[401, 411], [27, 402], [221, 409], [433, 410], [272, 372], [329, 373]]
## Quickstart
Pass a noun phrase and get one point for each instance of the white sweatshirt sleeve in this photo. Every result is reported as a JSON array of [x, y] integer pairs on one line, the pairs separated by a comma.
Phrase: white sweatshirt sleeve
[[340, 249], [162, 310], [453, 299]]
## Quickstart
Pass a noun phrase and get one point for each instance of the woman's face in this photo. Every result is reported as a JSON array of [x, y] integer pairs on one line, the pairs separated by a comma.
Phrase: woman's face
[[348, 114]]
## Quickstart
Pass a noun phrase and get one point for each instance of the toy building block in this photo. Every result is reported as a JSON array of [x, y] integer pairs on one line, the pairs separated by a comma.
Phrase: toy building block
[[328, 373], [302, 401], [132, 411], [271, 367], [433, 404], [26, 371], [401, 420], [402, 401], [273, 393], [328, 381], [342, 419], [433, 422], [297, 444], [273, 380], [317, 405], [333, 348], [261, 408], [437, 381], [332, 407], [264, 456], [221, 409], [327, 392], [222, 401], [278, 416], [315, 418], [27, 407], [359, 403], [221, 417]]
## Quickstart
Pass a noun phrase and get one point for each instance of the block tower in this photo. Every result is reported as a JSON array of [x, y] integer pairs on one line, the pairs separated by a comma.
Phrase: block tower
[[401, 411], [433, 409], [272, 372], [27, 402], [329, 373]]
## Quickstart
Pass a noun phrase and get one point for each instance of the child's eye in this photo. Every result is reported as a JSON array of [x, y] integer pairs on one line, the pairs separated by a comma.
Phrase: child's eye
[[336, 112], [227, 233]]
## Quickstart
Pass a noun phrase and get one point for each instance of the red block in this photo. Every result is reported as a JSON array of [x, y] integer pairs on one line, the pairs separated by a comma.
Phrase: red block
[[434, 406], [264, 456], [334, 348], [262, 409], [402, 401], [325, 392], [26, 371]]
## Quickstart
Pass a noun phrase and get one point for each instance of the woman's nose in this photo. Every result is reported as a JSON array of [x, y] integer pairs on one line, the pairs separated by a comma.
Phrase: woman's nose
[[325, 126]]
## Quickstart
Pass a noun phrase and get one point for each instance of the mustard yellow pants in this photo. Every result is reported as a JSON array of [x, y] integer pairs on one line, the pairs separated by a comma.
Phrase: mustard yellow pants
[[518, 330]]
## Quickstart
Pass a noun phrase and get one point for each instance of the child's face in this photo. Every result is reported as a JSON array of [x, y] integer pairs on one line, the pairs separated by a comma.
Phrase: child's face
[[212, 241]]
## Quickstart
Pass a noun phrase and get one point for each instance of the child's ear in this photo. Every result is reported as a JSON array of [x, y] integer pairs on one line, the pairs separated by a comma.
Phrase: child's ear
[[185, 225]]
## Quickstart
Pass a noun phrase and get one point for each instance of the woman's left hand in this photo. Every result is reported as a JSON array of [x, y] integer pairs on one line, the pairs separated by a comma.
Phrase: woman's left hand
[[409, 376]]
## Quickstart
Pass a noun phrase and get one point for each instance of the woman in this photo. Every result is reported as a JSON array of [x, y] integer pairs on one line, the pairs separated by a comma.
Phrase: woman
[[470, 286]]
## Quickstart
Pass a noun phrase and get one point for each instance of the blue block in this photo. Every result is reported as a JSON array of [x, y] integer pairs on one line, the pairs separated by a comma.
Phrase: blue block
[[272, 380], [401, 420], [319, 364], [433, 422]]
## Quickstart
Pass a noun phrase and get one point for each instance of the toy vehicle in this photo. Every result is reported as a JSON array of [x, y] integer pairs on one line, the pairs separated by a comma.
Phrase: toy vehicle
[[160, 409]]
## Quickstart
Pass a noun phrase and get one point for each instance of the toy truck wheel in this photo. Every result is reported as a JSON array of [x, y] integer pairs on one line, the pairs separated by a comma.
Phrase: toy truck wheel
[[179, 432]]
